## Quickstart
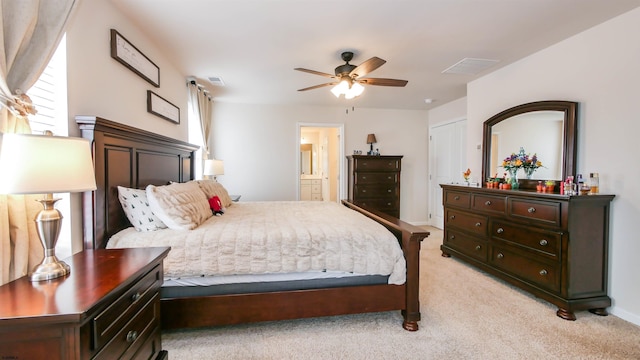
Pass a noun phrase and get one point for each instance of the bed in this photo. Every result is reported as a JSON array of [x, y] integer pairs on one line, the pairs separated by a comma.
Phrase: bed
[[129, 157]]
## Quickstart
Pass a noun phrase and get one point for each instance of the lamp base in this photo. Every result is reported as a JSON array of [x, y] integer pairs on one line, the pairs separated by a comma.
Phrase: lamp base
[[50, 268]]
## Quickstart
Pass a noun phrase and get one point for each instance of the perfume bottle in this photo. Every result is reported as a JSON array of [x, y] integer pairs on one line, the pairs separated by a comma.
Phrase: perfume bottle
[[594, 183]]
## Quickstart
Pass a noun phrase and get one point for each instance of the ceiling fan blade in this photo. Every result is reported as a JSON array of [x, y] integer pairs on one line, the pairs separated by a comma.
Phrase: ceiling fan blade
[[383, 82], [317, 86], [314, 72], [367, 67]]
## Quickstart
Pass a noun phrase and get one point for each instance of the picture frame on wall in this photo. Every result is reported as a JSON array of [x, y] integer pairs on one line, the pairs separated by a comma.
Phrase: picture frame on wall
[[159, 106], [128, 55]]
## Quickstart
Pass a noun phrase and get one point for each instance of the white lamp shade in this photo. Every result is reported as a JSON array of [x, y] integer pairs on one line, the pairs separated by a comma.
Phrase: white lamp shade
[[40, 164], [213, 167]]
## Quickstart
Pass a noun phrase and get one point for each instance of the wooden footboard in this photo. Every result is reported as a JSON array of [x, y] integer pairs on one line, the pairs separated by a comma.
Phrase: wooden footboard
[[131, 157]]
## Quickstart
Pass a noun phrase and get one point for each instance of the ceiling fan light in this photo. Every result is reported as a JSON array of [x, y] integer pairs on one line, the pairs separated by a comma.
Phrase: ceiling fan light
[[357, 89], [337, 91]]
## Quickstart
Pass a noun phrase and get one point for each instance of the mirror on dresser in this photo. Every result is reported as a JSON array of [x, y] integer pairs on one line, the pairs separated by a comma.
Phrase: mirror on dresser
[[545, 128]]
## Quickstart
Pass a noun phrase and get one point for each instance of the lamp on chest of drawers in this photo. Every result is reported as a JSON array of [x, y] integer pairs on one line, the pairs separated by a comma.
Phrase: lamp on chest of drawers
[[213, 168], [371, 139], [46, 164]]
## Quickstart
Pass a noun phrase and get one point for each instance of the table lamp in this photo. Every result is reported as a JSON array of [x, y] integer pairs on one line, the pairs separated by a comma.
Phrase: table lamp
[[371, 139], [42, 164], [213, 168]]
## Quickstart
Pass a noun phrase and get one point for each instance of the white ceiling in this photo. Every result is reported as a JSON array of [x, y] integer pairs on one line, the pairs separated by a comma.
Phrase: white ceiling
[[254, 45]]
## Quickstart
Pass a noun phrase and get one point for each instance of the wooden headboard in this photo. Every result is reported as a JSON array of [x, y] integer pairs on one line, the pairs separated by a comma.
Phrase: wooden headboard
[[130, 157]]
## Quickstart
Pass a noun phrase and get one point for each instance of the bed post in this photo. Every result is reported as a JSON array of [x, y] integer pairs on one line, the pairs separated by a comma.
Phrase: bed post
[[410, 238]]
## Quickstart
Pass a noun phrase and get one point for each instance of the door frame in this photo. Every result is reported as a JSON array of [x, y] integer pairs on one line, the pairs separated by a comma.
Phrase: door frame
[[341, 183]]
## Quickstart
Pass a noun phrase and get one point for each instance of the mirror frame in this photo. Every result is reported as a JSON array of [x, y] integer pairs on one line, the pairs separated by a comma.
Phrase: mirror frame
[[570, 138]]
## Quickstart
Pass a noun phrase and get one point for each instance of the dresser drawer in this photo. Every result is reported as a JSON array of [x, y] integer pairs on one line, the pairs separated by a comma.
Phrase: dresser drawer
[[388, 191], [458, 199], [130, 338], [385, 205], [376, 178], [466, 244], [476, 224], [540, 273], [489, 203], [546, 212], [545, 242], [377, 164], [115, 316]]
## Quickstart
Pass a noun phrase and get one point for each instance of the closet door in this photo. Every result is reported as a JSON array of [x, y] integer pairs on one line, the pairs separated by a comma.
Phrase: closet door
[[447, 162]]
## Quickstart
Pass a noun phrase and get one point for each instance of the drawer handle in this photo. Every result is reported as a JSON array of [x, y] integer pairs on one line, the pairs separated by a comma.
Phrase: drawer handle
[[389, 177], [364, 190], [500, 230], [488, 202], [364, 178], [388, 204], [478, 247], [389, 190], [452, 217], [543, 242], [543, 272], [456, 197], [531, 210], [132, 336], [452, 237], [478, 224], [500, 255], [135, 297], [364, 164]]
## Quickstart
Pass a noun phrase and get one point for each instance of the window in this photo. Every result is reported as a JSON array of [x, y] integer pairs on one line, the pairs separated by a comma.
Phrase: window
[[49, 95]]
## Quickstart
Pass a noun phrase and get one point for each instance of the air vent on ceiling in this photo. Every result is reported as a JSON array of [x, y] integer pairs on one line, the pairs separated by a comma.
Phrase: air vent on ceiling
[[216, 80], [470, 66]]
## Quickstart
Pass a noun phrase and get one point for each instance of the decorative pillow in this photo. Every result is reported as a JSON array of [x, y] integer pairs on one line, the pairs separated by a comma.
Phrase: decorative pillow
[[181, 206], [213, 188], [136, 206]]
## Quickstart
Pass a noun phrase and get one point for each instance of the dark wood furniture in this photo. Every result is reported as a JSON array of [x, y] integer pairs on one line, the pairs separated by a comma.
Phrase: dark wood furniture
[[108, 307], [553, 246], [374, 182], [131, 157]]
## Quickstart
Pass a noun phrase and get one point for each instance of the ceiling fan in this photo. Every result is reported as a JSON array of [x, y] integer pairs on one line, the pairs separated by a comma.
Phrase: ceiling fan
[[348, 78]]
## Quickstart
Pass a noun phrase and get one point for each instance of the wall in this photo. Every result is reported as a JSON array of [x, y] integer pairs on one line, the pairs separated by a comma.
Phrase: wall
[[597, 68], [258, 144], [99, 85]]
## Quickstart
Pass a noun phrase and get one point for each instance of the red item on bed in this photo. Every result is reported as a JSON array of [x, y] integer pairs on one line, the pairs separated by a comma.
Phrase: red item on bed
[[216, 205]]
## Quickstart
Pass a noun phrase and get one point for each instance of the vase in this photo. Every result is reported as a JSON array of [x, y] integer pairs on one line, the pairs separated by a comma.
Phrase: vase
[[513, 177], [529, 172]]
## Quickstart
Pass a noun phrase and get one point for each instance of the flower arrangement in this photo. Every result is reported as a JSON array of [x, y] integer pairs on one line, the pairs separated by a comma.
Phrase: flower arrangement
[[521, 160], [466, 175]]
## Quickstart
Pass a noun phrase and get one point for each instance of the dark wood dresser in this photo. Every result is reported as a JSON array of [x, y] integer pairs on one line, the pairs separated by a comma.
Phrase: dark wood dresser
[[374, 182], [553, 246], [108, 307]]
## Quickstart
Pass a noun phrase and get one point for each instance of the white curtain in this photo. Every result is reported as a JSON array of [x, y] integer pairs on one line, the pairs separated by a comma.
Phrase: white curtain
[[30, 31], [201, 104]]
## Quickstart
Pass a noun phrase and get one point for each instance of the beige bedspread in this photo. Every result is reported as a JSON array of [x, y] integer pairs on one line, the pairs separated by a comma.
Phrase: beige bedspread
[[276, 237]]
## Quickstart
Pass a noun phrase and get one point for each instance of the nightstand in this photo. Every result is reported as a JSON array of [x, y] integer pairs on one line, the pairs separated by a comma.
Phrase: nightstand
[[235, 198], [107, 307]]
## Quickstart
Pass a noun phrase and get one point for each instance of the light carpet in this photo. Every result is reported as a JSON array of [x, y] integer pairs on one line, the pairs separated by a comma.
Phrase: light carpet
[[466, 314]]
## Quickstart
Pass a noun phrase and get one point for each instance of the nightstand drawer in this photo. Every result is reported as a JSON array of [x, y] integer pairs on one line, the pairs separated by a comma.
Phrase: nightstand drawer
[[114, 317], [134, 333]]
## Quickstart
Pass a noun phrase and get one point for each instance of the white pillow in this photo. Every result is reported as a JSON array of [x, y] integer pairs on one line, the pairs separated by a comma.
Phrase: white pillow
[[212, 188], [136, 206], [181, 206]]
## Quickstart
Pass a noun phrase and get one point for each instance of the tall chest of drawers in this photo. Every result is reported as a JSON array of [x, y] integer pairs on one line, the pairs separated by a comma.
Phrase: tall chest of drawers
[[108, 307], [374, 182], [553, 246]]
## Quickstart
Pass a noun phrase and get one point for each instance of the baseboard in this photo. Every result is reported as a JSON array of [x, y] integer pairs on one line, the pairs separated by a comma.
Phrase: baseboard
[[625, 315]]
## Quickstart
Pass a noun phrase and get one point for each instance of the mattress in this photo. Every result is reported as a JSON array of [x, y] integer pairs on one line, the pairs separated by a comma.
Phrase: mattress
[[277, 237]]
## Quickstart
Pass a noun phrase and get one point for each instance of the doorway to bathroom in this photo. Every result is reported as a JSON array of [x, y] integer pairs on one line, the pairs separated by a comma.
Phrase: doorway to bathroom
[[320, 161]]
